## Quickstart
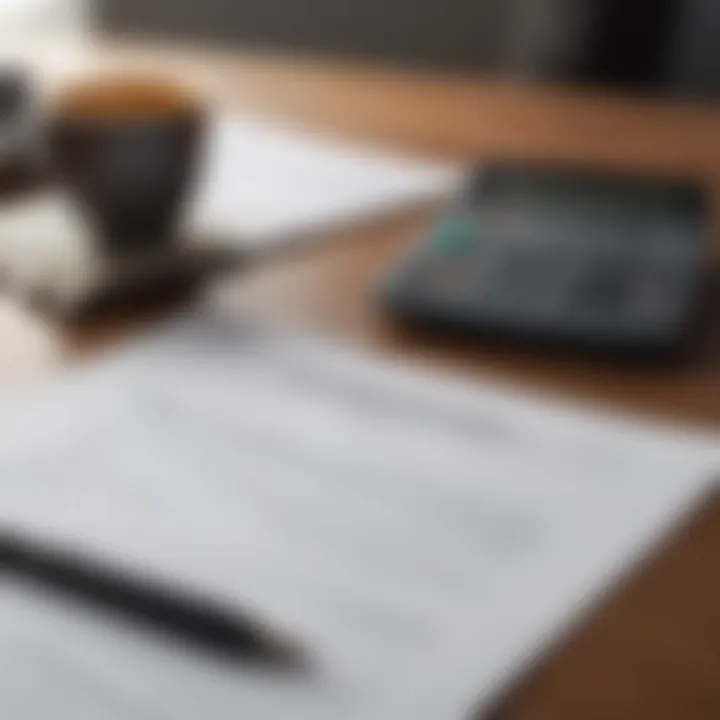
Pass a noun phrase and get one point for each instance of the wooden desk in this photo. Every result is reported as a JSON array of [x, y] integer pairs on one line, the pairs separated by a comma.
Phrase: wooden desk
[[653, 650]]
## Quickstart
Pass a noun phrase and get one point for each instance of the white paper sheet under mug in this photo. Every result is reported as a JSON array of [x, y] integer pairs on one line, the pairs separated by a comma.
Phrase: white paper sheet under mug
[[423, 538], [265, 184]]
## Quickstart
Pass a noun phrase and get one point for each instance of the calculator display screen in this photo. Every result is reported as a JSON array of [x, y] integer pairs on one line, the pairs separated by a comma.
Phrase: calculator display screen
[[583, 191]]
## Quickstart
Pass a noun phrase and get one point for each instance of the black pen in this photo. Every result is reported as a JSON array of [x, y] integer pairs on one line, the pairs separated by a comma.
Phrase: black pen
[[171, 610]]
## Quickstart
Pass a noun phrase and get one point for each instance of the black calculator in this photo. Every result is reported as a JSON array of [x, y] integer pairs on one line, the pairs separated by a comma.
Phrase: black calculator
[[561, 257]]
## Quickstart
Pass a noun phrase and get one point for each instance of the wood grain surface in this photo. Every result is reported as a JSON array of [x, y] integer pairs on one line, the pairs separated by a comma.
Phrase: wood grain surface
[[652, 651]]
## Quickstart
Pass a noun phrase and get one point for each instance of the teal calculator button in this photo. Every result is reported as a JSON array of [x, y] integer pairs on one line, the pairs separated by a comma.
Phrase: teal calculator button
[[454, 235]]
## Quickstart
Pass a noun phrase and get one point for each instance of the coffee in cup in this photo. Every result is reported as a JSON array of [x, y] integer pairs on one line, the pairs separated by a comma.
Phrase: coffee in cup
[[126, 151]]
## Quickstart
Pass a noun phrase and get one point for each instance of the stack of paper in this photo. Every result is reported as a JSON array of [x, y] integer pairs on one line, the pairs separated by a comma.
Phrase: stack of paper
[[423, 539]]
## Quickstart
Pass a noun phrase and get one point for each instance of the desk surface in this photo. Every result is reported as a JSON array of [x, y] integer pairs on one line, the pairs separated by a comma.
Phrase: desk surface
[[652, 649]]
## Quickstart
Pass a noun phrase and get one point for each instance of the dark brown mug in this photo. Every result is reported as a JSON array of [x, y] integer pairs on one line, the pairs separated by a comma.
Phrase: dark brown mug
[[126, 151]]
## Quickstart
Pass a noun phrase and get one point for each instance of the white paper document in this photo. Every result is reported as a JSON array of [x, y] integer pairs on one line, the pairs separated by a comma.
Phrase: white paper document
[[423, 539], [264, 184]]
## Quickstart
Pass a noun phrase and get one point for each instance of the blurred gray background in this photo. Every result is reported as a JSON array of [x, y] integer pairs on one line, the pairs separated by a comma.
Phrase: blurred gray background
[[562, 39]]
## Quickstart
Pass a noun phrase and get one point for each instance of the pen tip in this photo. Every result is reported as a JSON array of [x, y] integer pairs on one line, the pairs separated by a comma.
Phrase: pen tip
[[285, 654]]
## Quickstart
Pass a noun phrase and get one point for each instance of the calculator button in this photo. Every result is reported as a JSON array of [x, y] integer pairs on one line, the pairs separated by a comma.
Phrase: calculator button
[[607, 286], [454, 235], [526, 280], [661, 291]]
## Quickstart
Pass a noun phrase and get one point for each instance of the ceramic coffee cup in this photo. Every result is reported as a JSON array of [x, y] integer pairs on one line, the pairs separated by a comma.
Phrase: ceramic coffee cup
[[126, 151]]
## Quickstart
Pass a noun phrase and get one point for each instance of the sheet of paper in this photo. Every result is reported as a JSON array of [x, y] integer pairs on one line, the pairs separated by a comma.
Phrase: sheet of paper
[[265, 184], [423, 538]]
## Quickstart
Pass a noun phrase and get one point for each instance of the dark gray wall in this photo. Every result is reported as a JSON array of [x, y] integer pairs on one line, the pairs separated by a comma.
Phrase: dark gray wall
[[522, 37], [459, 33], [696, 70]]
